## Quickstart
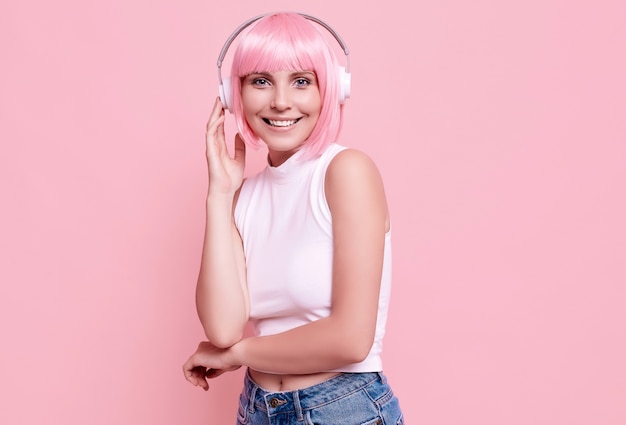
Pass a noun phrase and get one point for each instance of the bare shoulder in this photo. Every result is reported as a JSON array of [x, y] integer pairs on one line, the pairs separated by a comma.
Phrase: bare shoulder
[[350, 165], [353, 183]]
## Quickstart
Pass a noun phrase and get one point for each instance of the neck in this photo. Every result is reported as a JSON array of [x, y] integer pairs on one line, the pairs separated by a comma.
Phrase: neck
[[277, 158]]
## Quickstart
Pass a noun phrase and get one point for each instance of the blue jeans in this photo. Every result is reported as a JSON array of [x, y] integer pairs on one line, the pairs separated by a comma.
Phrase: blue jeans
[[345, 399]]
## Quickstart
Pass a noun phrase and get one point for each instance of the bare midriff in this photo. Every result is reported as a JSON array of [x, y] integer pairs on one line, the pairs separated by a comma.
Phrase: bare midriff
[[272, 382]]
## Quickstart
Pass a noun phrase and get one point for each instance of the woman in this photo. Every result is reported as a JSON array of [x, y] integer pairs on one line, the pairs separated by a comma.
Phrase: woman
[[302, 250]]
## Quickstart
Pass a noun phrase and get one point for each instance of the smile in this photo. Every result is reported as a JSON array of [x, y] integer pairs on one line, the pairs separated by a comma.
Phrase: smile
[[280, 123]]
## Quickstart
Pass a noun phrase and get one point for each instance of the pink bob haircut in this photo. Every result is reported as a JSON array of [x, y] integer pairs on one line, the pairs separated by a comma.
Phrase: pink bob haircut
[[290, 42]]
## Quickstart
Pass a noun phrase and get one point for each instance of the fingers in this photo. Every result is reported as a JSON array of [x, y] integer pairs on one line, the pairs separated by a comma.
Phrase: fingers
[[196, 376], [218, 110], [213, 373], [200, 372], [215, 128], [215, 124], [215, 139], [225, 171]]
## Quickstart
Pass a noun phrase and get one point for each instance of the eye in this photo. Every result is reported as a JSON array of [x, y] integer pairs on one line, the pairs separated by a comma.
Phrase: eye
[[301, 82], [260, 82]]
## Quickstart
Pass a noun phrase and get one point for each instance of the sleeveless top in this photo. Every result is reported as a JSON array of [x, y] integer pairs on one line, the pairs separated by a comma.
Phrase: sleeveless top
[[286, 228]]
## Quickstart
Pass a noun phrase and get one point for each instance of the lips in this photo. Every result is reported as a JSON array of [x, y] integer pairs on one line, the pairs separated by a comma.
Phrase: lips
[[280, 123]]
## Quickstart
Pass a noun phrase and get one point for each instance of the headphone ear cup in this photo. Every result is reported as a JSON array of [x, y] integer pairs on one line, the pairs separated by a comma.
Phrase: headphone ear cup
[[226, 94], [344, 85]]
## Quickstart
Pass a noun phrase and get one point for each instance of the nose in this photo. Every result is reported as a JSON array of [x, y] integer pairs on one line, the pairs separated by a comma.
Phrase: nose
[[281, 100]]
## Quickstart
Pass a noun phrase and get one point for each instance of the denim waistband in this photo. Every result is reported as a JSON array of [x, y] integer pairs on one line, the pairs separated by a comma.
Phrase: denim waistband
[[311, 397]]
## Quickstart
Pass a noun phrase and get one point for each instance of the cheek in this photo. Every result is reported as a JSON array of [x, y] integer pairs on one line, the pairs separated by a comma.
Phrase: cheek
[[316, 100], [250, 119], [248, 107], [316, 107], [253, 100]]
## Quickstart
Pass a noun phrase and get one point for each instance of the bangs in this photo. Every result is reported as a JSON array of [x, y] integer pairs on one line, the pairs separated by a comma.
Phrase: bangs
[[280, 44]]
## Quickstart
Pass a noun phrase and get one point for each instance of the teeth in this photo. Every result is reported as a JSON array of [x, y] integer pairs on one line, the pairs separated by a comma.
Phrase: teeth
[[282, 123]]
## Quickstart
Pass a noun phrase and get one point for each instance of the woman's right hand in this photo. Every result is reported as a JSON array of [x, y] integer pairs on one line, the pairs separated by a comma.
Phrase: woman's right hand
[[225, 173]]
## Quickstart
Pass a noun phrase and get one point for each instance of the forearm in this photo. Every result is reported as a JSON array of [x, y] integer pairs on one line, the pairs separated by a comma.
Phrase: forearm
[[319, 346], [220, 298]]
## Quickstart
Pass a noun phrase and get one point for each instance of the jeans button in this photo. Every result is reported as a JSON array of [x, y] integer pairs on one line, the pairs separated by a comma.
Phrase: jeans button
[[275, 402]]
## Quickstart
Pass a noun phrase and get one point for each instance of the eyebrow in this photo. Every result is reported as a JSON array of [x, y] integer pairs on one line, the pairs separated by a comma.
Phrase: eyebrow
[[303, 74], [293, 74]]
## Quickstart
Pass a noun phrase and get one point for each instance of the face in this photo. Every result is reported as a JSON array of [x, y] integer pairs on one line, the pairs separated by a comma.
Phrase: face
[[282, 108]]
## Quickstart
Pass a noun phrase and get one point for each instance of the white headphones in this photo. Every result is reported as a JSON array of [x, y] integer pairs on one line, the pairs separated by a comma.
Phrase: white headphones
[[225, 86]]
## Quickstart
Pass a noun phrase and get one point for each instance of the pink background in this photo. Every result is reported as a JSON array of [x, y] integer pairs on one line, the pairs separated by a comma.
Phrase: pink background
[[499, 128]]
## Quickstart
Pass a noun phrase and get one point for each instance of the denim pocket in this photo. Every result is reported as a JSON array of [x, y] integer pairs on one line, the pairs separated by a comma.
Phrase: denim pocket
[[357, 409], [243, 416], [390, 408]]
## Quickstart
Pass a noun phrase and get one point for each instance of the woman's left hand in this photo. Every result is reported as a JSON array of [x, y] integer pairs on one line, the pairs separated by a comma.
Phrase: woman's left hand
[[207, 362]]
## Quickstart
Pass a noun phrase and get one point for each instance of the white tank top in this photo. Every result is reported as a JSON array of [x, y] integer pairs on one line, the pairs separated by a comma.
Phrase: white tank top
[[286, 228]]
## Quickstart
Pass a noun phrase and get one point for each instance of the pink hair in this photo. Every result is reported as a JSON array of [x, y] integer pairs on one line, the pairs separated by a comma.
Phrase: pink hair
[[289, 42]]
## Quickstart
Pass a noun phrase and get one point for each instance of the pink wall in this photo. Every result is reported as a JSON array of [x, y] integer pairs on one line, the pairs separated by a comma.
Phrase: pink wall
[[499, 128]]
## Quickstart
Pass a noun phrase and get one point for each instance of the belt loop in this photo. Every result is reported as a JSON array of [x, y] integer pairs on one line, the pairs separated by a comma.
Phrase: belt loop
[[298, 407], [252, 400], [382, 377]]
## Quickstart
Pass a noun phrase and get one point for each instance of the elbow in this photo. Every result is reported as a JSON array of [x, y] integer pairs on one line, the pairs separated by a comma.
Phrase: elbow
[[357, 355], [352, 339], [355, 350], [223, 339], [221, 334]]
